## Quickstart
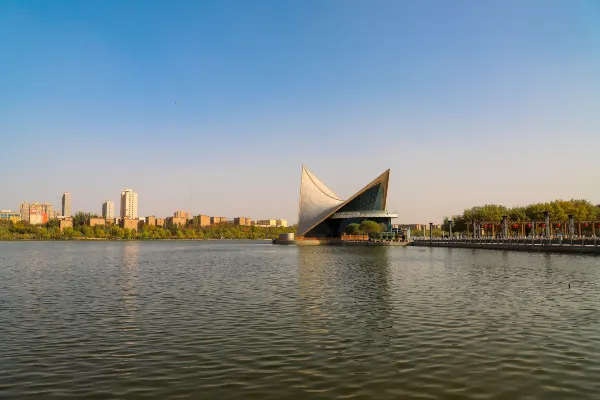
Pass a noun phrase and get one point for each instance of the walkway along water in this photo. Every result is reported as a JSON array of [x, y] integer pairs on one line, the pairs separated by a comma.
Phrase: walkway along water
[[554, 244]]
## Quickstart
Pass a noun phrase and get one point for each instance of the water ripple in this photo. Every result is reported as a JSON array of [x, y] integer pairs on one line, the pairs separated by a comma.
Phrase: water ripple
[[244, 320]]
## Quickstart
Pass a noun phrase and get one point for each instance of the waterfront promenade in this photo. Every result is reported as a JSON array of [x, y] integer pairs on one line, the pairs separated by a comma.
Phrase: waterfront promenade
[[589, 245]]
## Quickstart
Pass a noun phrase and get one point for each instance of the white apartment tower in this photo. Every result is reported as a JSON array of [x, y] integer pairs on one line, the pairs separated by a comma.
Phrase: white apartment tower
[[108, 210], [129, 204]]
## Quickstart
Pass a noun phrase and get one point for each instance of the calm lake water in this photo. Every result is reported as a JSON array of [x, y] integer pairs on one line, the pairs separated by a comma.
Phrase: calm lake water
[[228, 320]]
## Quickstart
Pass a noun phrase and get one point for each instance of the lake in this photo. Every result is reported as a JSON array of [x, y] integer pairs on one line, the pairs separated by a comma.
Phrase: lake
[[247, 320]]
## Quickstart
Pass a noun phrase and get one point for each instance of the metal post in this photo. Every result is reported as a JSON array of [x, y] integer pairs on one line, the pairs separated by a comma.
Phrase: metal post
[[547, 221], [571, 227], [430, 233]]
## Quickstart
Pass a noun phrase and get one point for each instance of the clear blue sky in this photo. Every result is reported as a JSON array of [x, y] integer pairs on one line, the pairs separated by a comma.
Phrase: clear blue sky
[[468, 102]]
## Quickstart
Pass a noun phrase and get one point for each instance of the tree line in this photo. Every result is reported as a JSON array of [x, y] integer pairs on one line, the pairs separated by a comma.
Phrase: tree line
[[22, 230], [559, 210]]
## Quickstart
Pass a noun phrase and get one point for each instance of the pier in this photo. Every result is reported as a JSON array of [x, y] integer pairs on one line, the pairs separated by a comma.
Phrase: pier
[[587, 245]]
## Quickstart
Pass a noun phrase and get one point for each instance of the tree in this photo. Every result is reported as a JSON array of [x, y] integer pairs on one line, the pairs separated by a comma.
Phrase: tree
[[352, 229], [370, 227], [68, 233], [88, 232]]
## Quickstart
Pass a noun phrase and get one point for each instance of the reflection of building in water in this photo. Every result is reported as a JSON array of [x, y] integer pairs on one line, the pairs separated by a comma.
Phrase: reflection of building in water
[[129, 276], [346, 291]]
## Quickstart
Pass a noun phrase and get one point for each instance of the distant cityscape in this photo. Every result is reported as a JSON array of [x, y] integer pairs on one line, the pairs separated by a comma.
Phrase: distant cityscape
[[40, 213]]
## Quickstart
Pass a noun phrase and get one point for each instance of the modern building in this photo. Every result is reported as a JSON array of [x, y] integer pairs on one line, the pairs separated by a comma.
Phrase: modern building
[[322, 214], [66, 204], [8, 215], [201, 220], [182, 214], [108, 209], [26, 209], [129, 204], [242, 221]]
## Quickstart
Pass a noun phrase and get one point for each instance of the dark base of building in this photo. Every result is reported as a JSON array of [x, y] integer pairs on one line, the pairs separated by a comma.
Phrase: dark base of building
[[337, 242]]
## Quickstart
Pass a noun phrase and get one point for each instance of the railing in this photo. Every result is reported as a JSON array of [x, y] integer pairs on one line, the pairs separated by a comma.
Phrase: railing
[[516, 240]]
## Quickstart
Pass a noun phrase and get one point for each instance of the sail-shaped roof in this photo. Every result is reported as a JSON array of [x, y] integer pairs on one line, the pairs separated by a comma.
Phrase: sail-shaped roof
[[318, 202]]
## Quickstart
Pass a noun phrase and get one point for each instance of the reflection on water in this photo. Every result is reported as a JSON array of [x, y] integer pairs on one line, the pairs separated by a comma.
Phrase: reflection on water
[[128, 318], [349, 297], [255, 321]]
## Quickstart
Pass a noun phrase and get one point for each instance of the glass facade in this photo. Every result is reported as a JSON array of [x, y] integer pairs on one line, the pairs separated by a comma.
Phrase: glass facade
[[371, 199]]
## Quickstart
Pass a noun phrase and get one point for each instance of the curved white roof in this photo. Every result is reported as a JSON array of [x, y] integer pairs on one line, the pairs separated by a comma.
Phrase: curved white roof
[[317, 201]]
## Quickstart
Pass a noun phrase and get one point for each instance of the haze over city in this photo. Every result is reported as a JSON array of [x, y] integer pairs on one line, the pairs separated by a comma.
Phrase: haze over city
[[213, 107]]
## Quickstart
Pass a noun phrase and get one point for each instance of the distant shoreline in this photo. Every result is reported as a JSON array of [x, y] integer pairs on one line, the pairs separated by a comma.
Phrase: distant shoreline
[[133, 240]]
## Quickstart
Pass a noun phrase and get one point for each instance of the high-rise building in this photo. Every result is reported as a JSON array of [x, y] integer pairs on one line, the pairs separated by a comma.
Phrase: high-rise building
[[27, 208], [129, 204], [66, 204], [108, 210]]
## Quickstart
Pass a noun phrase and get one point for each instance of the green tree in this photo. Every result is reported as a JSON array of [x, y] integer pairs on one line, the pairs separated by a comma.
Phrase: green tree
[[352, 229], [370, 227], [68, 233], [88, 232]]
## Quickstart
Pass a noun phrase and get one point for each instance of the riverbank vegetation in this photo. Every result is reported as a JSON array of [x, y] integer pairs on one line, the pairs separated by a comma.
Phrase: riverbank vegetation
[[582, 210], [50, 231]]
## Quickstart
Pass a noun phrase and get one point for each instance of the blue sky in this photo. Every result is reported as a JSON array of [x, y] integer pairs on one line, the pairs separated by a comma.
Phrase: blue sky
[[213, 107]]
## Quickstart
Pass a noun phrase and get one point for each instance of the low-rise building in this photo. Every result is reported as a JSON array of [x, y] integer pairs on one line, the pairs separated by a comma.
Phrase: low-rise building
[[151, 221], [242, 221], [271, 223], [9, 215], [129, 223], [217, 220], [65, 223], [201, 220], [182, 214], [176, 221], [160, 222], [97, 222]]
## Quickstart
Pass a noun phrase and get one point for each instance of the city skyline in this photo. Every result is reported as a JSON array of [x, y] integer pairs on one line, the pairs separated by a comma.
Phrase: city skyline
[[466, 102]]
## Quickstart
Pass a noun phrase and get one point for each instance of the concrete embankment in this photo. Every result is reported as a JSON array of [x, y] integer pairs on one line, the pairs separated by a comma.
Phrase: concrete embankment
[[588, 246]]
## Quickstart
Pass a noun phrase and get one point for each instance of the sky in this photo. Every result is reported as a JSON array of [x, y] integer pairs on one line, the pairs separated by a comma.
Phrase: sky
[[214, 106]]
